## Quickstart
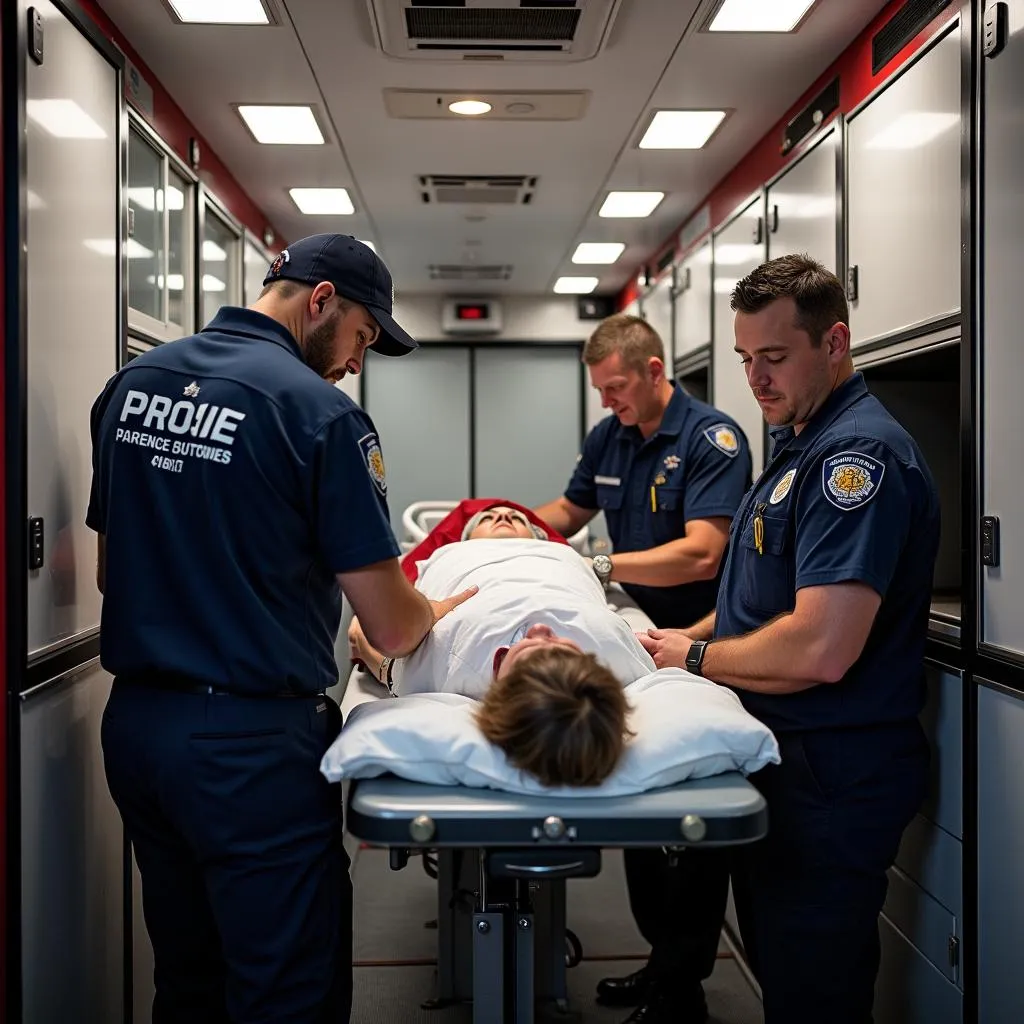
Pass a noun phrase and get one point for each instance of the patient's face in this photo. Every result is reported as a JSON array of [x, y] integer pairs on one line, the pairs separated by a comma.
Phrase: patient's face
[[536, 638], [502, 521]]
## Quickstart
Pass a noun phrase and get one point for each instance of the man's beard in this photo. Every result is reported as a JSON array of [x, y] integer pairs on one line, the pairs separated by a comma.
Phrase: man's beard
[[319, 354]]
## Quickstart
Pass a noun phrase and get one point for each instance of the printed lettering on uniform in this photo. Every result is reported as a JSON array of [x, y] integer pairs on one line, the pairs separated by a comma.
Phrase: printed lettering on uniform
[[160, 423], [723, 437], [782, 488], [370, 447], [851, 479], [608, 481]]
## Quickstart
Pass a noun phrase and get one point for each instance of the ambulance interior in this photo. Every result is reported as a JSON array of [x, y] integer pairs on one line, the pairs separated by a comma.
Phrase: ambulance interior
[[623, 155]]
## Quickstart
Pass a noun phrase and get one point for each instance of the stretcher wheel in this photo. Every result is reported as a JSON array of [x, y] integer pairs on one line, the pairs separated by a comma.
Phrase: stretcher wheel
[[573, 949]]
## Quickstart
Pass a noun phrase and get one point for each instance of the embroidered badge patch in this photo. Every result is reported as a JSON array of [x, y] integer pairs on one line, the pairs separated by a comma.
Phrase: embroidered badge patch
[[782, 488], [280, 260], [370, 447], [851, 479], [723, 437]]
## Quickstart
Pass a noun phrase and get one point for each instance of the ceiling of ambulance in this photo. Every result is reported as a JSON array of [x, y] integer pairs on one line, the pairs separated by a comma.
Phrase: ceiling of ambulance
[[329, 54]]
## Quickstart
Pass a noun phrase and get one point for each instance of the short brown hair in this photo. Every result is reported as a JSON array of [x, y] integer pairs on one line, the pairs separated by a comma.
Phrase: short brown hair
[[631, 336], [820, 298], [558, 714]]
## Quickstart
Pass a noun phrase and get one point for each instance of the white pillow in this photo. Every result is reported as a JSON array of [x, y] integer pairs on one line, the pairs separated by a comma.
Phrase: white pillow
[[686, 728]]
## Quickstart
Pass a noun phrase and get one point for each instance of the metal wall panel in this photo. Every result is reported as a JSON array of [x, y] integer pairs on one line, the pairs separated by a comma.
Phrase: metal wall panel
[[73, 312], [692, 307], [528, 420], [1000, 855], [903, 197], [420, 405], [1002, 357], [72, 874], [738, 249], [801, 213], [658, 313]]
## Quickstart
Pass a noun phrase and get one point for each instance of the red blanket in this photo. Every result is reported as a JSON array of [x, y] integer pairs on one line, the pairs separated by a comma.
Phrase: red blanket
[[450, 529]]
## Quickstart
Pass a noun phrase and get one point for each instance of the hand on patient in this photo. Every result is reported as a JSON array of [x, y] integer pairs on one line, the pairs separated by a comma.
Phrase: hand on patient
[[668, 647]]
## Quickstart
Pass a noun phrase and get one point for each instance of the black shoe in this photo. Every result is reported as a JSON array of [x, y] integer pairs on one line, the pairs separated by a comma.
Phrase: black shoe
[[659, 1008], [627, 991]]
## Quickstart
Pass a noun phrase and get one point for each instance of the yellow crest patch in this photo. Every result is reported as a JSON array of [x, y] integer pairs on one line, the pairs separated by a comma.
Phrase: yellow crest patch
[[851, 479], [370, 447], [782, 488], [723, 437]]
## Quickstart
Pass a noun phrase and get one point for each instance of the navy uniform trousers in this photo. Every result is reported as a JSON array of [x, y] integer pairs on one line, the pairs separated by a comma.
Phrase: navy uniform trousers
[[808, 896], [238, 838]]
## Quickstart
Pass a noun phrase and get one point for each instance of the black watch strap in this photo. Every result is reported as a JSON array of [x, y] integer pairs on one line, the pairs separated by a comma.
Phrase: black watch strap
[[695, 657]]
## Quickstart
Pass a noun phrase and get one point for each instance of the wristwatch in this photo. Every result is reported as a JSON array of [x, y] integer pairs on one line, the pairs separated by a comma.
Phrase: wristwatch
[[695, 656], [602, 565]]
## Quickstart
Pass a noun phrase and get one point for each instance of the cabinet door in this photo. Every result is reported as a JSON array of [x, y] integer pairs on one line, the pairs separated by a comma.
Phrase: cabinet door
[[420, 407], [1000, 855], [73, 230], [529, 418], [1002, 358], [801, 214], [738, 249], [658, 313], [72, 857], [692, 307], [903, 197]]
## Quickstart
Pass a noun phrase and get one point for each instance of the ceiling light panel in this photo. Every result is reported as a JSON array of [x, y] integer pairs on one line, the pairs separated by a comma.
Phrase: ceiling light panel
[[597, 252], [681, 129], [323, 201], [282, 125], [759, 15], [630, 204], [219, 12], [575, 285]]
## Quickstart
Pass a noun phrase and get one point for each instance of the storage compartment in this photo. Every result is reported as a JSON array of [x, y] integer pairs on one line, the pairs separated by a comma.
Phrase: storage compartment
[[693, 373], [921, 388]]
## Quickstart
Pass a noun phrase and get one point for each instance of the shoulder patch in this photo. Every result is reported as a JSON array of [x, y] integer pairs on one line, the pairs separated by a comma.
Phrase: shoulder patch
[[723, 437], [851, 479], [782, 487], [369, 445]]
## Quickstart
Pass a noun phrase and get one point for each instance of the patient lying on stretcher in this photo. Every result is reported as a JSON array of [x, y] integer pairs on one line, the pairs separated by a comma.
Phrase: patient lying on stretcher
[[538, 646]]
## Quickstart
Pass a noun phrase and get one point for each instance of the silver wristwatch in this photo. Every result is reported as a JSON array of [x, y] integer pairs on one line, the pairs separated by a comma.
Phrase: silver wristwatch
[[602, 569]]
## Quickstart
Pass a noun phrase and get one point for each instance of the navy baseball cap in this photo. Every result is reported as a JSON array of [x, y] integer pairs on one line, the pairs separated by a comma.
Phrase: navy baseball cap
[[357, 273]]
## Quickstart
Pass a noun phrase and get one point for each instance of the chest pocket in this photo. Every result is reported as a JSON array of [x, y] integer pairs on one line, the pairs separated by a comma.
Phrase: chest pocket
[[766, 581], [609, 497], [669, 499]]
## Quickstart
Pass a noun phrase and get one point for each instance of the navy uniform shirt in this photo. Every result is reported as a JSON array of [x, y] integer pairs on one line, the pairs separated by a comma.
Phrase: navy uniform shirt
[[232, 484], [849, 498], [697, 464]]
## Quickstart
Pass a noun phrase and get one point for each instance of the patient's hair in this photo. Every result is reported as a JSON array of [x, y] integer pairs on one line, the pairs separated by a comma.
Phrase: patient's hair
[[558, 714]]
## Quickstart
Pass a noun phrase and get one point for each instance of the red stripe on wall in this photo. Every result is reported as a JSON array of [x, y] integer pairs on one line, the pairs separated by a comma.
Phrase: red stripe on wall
[[171, 124], [764, 161]]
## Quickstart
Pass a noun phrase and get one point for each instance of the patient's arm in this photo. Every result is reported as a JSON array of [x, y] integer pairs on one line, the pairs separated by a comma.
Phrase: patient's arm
[[361, 650], [564, 517], [686, 560]]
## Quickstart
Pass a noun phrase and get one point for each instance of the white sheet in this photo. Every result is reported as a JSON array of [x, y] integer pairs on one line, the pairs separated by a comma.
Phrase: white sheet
[[522, 583]]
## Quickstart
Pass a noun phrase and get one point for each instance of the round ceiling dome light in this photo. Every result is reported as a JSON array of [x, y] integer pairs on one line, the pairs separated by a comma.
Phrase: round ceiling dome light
[[469, 108], [520, 108]]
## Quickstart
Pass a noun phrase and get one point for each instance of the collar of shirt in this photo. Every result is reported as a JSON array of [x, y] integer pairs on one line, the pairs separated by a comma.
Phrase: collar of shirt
[[847, 394], [250, 324], [671, 422]]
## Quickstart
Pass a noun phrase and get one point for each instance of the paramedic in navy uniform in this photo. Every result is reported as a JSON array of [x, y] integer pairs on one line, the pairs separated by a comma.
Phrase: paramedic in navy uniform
[[236, 493], [820, 627], [669, 473]]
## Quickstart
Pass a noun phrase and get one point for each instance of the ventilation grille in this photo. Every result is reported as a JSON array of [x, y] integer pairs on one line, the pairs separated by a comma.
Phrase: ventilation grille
[[472, 272], [491, 24], [901, 28], [811, 116], [506, 189]]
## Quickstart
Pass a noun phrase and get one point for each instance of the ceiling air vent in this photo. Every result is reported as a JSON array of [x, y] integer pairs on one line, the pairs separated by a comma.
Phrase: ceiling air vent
[[469, 272], [511, 30], [913, 16], [506, 189]]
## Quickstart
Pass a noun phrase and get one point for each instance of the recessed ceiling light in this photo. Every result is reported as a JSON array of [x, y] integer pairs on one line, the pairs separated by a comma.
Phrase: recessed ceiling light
[[63, 119], [322, 200], [575, 285], [282, 125], [469, 108], [681, 129], [597, 252], [630, 204], [220, 12], [760, 15]]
